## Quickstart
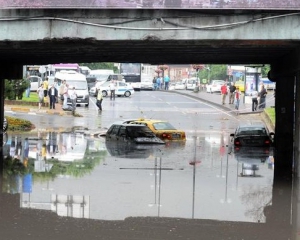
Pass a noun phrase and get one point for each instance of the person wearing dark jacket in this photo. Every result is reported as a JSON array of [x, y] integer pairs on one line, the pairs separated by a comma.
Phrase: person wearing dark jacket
[[52, 93], [232, 89], [262, 97]]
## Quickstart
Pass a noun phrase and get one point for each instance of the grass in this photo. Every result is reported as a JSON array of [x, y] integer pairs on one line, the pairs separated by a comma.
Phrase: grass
[[271, 113], [33, 97]]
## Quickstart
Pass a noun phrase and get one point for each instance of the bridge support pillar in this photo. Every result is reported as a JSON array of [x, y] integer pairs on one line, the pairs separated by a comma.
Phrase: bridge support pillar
[[284, 129]]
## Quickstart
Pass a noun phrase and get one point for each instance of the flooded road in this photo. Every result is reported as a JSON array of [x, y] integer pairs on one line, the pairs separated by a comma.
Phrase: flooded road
[[73, 185], [77, 176]]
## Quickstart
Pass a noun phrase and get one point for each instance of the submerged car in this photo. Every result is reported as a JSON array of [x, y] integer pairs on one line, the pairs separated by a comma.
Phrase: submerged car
[[135, 133], [162, 129], [252, 135]]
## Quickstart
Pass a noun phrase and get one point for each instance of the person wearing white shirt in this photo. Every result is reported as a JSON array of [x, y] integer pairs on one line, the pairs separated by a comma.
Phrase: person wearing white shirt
[[254, 95], [112, 88], [73, 97]]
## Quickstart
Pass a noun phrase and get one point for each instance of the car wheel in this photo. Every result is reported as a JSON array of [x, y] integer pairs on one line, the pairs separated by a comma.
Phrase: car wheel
[[127, 94], [87, 105], [104, 93]]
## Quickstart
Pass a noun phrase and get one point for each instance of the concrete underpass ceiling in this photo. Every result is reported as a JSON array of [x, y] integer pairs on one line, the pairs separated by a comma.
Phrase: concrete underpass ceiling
[[147, 51]]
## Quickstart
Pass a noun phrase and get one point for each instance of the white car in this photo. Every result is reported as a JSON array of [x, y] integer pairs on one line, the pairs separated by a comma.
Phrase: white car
[[122, 89], [179, 86], [147, 85], [215, 86], [35, 82], [190, 84]]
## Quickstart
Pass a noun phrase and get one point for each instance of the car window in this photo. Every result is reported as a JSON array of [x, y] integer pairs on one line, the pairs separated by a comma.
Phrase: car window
[[122, 131], [252, 131], [139, 131], [121, 84], [163, 126], [114, 130]]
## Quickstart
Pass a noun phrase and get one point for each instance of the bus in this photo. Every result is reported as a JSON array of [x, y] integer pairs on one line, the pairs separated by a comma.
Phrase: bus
[[132, 74]]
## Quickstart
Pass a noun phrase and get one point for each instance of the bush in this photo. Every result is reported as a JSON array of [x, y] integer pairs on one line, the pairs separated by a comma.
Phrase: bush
[[14, 89], [17, 124]]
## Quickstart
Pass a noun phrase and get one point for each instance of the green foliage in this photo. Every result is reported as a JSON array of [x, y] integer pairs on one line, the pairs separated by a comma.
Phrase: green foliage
[[17, 124], [100, 65], [213, 72], [264, 71], [14, 89], [271, 114]]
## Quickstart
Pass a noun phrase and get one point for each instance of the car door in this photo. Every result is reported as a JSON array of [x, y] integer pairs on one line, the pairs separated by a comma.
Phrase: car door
[[112, 133]]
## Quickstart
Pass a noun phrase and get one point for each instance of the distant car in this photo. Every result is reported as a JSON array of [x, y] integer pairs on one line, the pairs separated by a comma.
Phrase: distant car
[[147, 85], [172, 86], [269, 85], [35, 82], [215, 86], [5, 125], [179, 86], [162, 129], [122, 89], [252, 135], [190, 84], [131, 133]]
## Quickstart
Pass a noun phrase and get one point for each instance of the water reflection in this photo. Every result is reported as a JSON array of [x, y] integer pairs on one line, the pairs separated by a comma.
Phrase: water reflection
[[52, 162]]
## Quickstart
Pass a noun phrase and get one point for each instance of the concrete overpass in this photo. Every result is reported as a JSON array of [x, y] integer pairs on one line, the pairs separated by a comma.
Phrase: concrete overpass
[[164, 36]]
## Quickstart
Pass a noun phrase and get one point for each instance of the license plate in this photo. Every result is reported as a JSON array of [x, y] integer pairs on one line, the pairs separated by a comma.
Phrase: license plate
[[176, 135]]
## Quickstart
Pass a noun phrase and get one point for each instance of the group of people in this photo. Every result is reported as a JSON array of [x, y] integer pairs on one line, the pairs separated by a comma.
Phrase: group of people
[[258, 98], [161, 82], [53, 93]]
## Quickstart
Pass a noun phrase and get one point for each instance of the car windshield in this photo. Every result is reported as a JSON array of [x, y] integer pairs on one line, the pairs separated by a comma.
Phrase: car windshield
[[79, 85], [140, 131], [163, 126], [252, 131]]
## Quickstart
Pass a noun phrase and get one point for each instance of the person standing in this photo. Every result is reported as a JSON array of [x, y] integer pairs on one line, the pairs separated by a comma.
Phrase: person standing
[[45, 83], [73, 97], [262, 97], [254, 95], [166, 80], [232, 89], [65, 94], [154, 83], [40, 92], [99, 100], [52, 92], [237, 97], [61, 90], [224, 93], [158, 82], [112, 88]]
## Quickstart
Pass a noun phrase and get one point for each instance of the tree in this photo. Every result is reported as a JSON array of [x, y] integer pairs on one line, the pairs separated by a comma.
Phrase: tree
[[100, 65]]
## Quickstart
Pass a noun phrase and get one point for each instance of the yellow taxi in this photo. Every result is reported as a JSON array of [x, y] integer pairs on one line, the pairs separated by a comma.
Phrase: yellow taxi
[[162, 129], [241, 85]]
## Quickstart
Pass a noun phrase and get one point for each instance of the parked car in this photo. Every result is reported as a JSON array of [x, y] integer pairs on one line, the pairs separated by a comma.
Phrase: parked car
[[147, 85], [162, 129], [35, 82], [5, 125], [215, 86], [179, 86], [122, 89], [252, 135], [190, 84], [132, 133]]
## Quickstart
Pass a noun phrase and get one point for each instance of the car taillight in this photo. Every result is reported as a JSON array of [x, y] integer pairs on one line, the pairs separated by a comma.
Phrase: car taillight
[[166, 136], [237, 142], [267, 142]]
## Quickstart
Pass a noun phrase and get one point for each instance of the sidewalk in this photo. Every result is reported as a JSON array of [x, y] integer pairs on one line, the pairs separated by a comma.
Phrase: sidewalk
[[34, 109], [215, 99]]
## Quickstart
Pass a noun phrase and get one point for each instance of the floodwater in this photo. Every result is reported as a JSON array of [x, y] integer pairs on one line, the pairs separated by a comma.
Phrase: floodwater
[[73, 177]]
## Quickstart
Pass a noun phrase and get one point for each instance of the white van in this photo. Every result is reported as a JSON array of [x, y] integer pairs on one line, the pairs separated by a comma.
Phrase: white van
[[77, 80]]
